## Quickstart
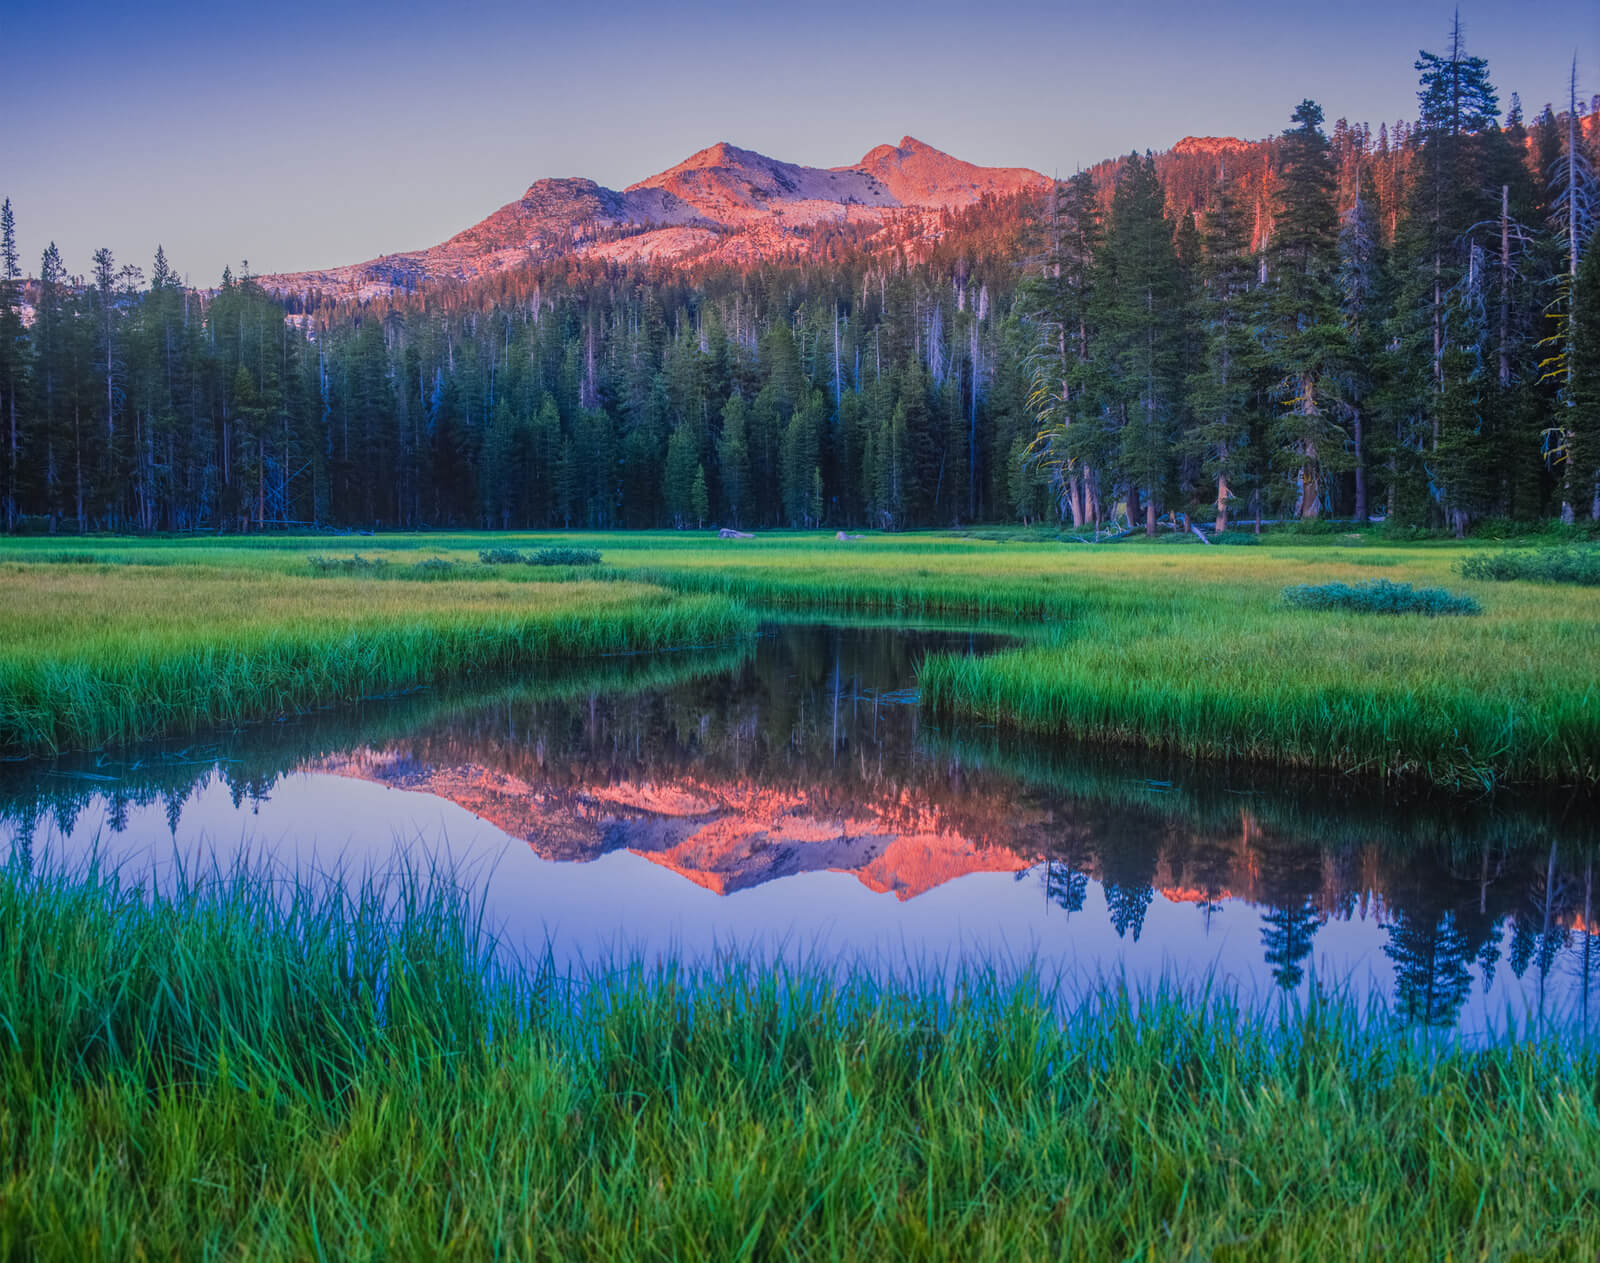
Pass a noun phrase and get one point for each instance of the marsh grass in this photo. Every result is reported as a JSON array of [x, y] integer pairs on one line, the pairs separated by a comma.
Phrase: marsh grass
[[1169, 645], [253, 1064], [91, 656]]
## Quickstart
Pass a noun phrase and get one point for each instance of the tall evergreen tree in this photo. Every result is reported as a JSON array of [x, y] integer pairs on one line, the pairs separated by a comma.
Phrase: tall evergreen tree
[[1139, 305], [1305, 336], [1221, 393]]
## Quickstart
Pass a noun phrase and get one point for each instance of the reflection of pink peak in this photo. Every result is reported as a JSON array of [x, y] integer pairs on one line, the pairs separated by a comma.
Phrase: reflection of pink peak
[[759, 834], [914, 863], [1191, 894], [721, 835]]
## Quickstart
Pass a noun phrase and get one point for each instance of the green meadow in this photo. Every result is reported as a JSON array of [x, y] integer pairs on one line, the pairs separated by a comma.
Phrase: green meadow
[[97, 654], [249, 1066], [1168, 644]]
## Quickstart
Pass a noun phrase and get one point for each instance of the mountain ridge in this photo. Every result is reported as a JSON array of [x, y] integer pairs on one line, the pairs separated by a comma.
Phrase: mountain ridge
[[722, 201]]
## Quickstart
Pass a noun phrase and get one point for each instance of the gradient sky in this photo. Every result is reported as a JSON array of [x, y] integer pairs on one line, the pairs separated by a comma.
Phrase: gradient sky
[[299, 135]]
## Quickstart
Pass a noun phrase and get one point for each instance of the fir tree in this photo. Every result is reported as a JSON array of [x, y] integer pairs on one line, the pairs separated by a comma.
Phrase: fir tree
[[1139, 289], [1221, 393], [1304, 332]]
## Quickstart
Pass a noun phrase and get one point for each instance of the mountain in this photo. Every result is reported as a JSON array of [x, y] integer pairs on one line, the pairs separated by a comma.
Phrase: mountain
[[723, 203]]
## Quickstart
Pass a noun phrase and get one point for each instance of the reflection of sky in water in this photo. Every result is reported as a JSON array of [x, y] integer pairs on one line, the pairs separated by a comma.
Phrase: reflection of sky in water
[[624, 900]]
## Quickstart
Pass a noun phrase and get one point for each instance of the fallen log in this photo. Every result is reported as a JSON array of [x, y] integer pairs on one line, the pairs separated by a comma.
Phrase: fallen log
[[727, 532]]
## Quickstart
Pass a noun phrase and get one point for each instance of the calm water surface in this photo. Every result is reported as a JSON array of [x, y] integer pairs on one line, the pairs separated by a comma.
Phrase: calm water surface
[[791, 798]]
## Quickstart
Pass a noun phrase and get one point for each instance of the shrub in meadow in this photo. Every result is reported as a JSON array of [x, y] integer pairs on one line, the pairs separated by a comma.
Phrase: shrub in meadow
[[1379, 597], [1544, 565]]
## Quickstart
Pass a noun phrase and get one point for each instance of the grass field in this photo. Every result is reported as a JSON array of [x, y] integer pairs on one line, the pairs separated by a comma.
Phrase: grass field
[[97, 654], [251, 1067], [1168, 644]]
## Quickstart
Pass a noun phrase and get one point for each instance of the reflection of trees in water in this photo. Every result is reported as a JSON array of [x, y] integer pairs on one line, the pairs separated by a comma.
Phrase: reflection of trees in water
[[1431, 974], [1128, 904], [1286, 934], [815, 714], [1065, 885]]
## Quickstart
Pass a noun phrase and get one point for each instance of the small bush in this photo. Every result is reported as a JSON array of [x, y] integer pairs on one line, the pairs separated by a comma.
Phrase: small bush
[[433, 568], [1544, 565], [356, 564], [1234, 538], [543, 557], [1379, 597]]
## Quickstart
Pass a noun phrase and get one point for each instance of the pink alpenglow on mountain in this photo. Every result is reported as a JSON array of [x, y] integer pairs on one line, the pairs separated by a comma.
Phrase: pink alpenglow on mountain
[[723, 203], [920, 175]]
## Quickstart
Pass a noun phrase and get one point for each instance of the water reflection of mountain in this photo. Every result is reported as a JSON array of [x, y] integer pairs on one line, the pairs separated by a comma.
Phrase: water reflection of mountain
[[804, 757]]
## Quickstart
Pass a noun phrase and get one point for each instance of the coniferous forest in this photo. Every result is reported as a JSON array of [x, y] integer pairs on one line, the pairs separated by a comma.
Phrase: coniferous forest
[[1333, 323]]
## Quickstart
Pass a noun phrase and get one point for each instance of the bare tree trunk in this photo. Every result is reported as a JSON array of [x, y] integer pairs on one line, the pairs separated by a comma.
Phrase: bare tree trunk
[[1505, 288], [77, 464], [1569, 483]]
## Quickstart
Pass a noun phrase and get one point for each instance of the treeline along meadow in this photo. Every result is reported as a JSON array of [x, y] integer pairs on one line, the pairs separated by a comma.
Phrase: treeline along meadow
[[1326, 324]]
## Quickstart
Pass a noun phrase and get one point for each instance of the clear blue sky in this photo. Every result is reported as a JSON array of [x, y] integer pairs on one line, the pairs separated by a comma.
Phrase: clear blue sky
[[301, 135]]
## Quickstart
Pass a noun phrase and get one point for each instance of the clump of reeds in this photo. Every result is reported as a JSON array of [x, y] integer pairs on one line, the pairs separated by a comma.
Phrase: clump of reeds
[[1380, 596], [1579, 565], [353, 565], [258, 1064], [540, 557], [435, 568]]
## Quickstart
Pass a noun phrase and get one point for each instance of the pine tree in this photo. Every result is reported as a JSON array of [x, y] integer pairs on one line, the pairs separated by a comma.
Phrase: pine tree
[[1221, 392], [1447, 198], [677, 485], [1139, 288], [733, 457], [1362, 292], [53, 361], [699, 497], [1305, 337], [1059, 302]]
